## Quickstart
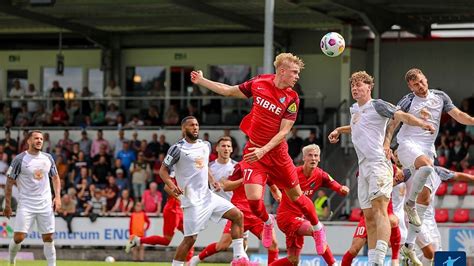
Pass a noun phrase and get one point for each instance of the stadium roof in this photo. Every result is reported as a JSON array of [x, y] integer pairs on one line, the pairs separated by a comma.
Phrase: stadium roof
[[98, 22]]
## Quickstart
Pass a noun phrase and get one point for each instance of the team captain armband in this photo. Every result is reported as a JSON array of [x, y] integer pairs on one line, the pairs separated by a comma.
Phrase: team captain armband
[[292, 108]]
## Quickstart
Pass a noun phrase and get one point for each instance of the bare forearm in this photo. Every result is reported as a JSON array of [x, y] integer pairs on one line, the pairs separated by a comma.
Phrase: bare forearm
[[8, 192], [465, 119], [409, 119], [344, 129], [275, 141], [392, 125], [217, 87], [165, 176], [57, 186]]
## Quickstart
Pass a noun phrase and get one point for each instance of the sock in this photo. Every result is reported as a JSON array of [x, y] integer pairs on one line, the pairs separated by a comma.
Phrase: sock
[[258, 208], [50, 253], [412, 229], [177, 263], [318, 226], [371, 254], [13, 249], [208, 251], [426, 261], [272, 256], [347, 259], [305, 205], [395, 238], [419, 181], [238, 247], [380, 251], [282, 262], [328, 257], [155, 240]]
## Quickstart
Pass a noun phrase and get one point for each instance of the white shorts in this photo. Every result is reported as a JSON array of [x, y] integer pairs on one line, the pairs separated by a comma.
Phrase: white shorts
[[429, 234], [375, 180], [196, 217], [408, 151], [44, 221]]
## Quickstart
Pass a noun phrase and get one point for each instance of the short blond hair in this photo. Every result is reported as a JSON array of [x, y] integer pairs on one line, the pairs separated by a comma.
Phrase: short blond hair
[[363, 77], [412, 74], [311, 147], [287, 58]]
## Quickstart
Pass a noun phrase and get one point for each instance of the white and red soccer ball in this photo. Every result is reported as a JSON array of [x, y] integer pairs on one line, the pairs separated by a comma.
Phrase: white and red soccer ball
[[332, 44]]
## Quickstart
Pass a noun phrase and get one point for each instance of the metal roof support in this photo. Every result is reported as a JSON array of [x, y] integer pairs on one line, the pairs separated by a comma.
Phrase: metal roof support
[[268, 36], [95, 35]]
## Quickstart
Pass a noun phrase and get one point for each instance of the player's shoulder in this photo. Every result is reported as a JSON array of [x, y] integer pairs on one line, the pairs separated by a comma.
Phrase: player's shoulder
[[213, 163], [233, 162], [19, 157], [177, 147], [439, 93], [407, 98], [47, 155]]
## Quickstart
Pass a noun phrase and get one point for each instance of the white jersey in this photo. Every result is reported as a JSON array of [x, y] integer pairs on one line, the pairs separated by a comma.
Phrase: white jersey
[[220, 171], [32, 173], [431, 107], [190, 161], [368, 124]]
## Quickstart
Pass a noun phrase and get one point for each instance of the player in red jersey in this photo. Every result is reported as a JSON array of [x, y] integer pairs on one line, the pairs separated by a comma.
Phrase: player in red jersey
[[172, 220], [291, 220], [360, 238], [274, 111], [251, 222]]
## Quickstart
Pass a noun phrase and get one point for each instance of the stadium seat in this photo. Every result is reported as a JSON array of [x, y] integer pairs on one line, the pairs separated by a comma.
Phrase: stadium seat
[[450, 202], [459, 189], [443, 188], [441, 215], [461, 216], [355, 215], [468, 202]]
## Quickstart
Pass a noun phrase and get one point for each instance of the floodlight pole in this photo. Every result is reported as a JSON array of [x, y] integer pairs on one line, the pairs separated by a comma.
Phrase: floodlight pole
[[268, 36]]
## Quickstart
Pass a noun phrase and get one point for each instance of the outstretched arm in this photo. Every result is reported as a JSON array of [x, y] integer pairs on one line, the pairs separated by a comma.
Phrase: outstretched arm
[[334, 135], [461, 117], [229, 185], [411, 120], [391, 127], [217, 87], [257, 153]]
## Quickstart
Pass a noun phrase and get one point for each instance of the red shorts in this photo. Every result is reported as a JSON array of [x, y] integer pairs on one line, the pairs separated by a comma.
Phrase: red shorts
[[290, 225], [276, 165], [361, 230], [172, 217]]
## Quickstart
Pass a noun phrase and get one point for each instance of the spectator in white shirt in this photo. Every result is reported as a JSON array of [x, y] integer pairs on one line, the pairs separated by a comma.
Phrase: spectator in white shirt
[[112, 91]]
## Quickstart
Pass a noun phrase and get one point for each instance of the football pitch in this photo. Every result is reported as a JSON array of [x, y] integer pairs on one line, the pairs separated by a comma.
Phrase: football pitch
[[96, 263]]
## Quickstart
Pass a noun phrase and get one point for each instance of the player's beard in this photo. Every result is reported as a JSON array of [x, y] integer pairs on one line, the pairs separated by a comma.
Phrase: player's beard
[[191, 136]]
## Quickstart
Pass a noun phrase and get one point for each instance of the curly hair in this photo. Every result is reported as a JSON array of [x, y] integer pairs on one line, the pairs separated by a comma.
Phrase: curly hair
[[363, 77]]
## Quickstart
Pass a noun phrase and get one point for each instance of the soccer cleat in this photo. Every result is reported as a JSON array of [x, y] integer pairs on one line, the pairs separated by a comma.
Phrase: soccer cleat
[[410, 254], [243, 261], [267, 237], [412, 215], [320, 241], [133, 242], [194, 261]]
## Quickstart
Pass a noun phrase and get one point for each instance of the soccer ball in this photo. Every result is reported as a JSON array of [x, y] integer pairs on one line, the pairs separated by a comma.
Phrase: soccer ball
[[109, 259], [332, 44]]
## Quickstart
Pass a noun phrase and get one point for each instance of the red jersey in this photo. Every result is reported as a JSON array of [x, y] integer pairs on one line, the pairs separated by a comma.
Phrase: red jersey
[[239, 199], [309, 186], [270, 106]]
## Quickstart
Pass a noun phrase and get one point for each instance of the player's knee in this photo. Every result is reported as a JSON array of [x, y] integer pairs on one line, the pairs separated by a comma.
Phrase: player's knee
[[424, 196], [428, 252], [237, 216], [48, 238], [294, 260], [18, 238]]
